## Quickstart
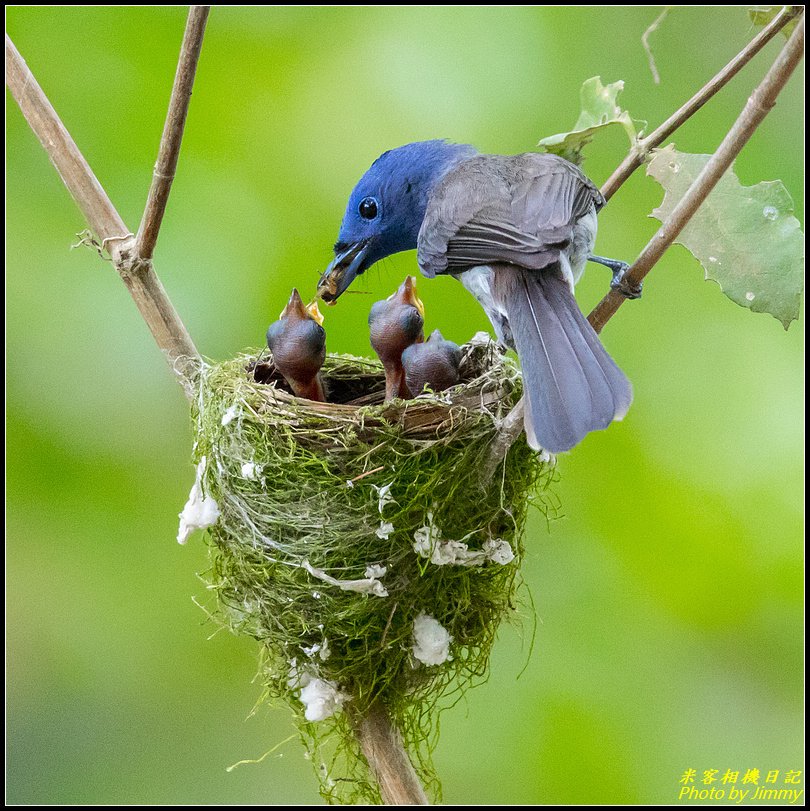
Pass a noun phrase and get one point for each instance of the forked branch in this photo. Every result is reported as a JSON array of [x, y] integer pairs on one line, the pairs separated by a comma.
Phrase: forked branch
[[644, 146], [760, 103], [758, 106], [137, 273]]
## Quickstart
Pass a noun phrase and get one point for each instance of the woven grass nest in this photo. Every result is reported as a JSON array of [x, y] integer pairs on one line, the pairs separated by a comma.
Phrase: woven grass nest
[[358, 543]]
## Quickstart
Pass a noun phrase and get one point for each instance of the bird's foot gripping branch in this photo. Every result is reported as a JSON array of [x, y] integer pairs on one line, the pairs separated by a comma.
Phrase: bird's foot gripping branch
[[355, 541]]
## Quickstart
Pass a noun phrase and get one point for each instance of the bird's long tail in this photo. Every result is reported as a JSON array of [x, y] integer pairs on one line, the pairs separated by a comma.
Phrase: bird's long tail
[[571, 385]]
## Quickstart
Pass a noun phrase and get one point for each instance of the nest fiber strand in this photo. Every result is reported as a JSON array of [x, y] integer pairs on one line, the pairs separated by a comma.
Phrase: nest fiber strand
[[316, 498]]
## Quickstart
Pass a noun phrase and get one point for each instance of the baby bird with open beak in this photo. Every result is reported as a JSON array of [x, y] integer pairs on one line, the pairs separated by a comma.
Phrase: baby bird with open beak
[[396, 323], [298, 343], [433, 363]]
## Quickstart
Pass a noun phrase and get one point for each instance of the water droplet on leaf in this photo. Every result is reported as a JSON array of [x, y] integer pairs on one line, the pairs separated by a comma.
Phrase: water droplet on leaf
[[770, 213], [750, 296]]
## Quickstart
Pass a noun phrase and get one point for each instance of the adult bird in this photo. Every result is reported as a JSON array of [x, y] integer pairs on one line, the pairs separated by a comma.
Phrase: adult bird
[[516, 231], [298, 343], [395, 324]]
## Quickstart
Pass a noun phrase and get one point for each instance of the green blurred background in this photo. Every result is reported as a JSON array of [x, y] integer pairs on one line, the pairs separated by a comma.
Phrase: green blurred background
[[668, 598]]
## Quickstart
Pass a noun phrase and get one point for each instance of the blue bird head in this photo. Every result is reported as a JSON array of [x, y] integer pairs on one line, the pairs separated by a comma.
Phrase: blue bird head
[[386, 209]]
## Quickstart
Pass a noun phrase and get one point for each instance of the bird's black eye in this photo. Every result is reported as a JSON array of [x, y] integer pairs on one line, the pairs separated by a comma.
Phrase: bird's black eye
[[368, 208]]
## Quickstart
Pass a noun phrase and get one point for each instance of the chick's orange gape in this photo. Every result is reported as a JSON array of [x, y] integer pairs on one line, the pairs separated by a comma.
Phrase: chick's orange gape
[[297, 341]]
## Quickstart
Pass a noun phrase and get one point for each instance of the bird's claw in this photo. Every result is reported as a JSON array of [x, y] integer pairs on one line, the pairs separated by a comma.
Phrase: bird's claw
[[620, 284]]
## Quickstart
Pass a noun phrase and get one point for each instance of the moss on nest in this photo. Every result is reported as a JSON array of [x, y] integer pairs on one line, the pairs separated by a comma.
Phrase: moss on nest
[[314, 493]]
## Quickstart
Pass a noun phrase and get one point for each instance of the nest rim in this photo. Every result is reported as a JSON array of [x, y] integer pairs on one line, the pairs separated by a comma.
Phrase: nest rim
[[486, 387]]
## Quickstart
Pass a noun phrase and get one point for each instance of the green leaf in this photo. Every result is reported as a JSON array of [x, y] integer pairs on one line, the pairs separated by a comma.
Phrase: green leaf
[[762, 15], [746, 237], [599, 111]]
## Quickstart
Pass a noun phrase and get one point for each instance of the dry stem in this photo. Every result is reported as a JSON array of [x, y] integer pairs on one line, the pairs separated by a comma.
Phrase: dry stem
[[157, 311], [757, 107], [645, 41], [172, 132], [644, 146], [760, 103], [382, 745], [74, 170]]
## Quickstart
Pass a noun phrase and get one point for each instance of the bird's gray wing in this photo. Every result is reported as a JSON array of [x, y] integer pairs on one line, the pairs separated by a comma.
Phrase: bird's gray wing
[[517, 209]]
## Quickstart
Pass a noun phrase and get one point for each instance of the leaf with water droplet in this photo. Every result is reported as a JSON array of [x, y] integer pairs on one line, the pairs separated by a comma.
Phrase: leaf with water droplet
[[599, 111], [762, 15], [746, 237]]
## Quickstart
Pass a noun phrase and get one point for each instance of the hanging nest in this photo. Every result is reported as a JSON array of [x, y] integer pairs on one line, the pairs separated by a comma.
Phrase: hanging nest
[[358, 543]]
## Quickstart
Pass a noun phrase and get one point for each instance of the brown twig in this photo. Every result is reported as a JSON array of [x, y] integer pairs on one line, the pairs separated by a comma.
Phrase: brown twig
[[757, 107], [644, 146], [760, 103], [74, 170], [172, 132], [382, 746], [510, 429], [143, 284]]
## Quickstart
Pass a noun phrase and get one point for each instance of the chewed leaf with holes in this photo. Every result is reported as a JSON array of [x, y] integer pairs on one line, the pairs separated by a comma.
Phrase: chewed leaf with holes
[[599, 110], [746, 237], [762, 15]]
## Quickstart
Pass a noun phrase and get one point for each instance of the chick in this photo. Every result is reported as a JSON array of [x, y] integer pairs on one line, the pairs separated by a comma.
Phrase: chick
[[298, 343], [395, 324], [433, 363]]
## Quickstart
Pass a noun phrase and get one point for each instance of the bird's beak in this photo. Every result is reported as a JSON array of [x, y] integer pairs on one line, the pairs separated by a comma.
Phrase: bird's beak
[[342, 271], [407, 294], [295, 307]]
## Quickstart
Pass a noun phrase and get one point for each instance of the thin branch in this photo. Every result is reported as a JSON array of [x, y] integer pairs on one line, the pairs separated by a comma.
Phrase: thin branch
[[172, 132], [510, 429], [639, 153], [645, 41], [74, 170], [760, 103], [143, 284], [757, 107], [382, 746]]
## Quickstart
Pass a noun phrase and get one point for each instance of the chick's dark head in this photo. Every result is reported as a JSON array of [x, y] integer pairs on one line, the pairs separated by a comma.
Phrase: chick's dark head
[[397, 322], [434, 363], [298, 342]]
